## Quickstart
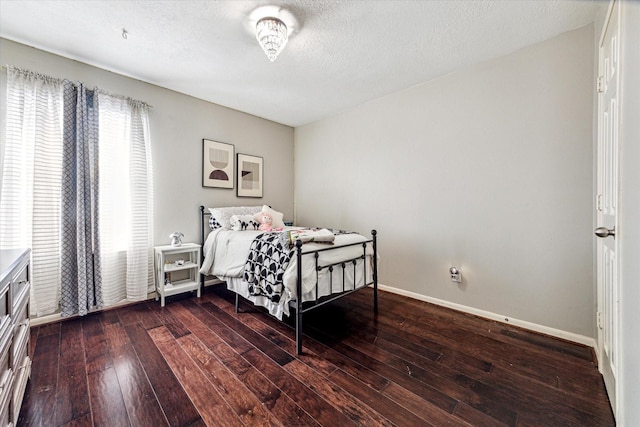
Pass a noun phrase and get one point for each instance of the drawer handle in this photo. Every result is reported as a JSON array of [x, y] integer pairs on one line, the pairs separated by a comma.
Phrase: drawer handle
[[22, 325]]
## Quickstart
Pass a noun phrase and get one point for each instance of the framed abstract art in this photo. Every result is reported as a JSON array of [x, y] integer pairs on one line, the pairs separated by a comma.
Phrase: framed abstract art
[[217, 164], [249, 176]]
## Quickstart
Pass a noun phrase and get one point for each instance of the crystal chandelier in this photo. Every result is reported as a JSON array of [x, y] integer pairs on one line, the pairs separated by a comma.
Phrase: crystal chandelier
[[272, 36]]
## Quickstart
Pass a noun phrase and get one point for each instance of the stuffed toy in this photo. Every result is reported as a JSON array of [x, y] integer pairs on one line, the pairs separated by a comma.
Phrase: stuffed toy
[[176, 239], [266, 221], [271, 217]]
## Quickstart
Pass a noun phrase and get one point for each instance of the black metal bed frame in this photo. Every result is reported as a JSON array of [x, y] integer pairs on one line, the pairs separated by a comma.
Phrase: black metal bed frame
[[297, 304]]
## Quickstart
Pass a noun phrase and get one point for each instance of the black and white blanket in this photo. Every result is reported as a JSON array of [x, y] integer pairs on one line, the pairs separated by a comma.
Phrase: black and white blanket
[[269, 256]]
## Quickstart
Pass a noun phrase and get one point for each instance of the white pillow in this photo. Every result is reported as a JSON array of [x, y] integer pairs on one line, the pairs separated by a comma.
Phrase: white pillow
[[223, 215], [275, 216]]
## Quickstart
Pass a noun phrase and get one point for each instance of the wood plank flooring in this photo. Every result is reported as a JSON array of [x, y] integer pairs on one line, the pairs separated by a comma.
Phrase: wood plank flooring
[[196, 363]]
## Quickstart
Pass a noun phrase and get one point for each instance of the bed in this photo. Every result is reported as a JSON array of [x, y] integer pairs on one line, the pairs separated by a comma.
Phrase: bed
[[320, 272]]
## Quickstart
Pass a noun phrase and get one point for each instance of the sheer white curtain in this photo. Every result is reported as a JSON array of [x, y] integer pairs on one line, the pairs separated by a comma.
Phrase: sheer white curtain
[[30, 197], [126, 199]]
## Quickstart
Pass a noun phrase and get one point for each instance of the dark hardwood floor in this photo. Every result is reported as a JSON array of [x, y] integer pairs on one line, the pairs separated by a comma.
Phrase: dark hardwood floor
[[195, 362]]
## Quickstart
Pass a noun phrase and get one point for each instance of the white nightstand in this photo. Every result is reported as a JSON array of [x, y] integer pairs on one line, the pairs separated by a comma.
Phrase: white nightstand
[[174, 277]]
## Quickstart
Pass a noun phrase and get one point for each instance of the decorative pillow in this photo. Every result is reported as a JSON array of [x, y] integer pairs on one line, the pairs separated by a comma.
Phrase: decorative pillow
[[243, 222], [213, 224], [275, 216], [223, 215]]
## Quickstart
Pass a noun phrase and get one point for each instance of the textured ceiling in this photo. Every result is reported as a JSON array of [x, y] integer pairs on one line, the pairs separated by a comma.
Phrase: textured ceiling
[[339, 55]]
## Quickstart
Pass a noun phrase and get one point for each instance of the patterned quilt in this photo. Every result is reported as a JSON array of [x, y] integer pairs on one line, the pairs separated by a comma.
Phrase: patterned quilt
[[268, 259]]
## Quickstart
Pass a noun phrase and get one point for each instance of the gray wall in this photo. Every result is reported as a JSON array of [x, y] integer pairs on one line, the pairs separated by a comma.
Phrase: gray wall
[[178, 125], [488, 169]]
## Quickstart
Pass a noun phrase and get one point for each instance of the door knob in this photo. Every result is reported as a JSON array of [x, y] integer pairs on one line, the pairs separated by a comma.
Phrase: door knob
[[605, 232]]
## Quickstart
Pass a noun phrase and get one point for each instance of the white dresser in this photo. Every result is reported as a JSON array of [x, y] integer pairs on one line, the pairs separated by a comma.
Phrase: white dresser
[[15, 364]]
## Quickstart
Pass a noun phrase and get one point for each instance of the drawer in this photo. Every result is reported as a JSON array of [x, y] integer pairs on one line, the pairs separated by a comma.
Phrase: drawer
[[6, 374], [20, 350], [18, 312], [21, 325], [19, 386], [5, 418], [20, 281], [20, 346], [5, 309], [19, 298]]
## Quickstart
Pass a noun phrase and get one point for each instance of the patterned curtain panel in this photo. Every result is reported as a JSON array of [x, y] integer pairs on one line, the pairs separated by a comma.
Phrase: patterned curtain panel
[[31, 185], [81, 282]]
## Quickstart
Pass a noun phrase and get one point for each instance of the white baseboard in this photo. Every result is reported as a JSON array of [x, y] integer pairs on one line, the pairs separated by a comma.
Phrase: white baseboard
[[569, 336], [55, 317], [49, 318], [212, 281]]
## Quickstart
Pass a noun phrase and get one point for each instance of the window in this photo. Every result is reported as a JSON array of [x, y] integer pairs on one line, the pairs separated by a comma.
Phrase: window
[[31, 188]]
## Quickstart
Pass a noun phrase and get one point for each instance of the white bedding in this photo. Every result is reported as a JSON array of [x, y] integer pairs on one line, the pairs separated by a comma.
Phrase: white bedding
[[226, 252]]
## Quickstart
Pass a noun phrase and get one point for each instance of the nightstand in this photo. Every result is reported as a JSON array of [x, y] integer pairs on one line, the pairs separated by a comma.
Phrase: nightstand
[[177, 270]]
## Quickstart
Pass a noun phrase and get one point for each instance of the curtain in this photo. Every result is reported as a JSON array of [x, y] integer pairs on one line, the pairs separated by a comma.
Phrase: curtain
[[100, 230], [31, 185], [81, 283], [126, 215]]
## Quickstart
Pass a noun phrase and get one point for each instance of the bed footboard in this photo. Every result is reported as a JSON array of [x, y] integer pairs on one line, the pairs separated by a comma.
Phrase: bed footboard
[[300, 310]]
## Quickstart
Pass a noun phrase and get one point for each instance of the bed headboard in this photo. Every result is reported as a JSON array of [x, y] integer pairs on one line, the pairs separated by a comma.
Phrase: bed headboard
[[204, 224]]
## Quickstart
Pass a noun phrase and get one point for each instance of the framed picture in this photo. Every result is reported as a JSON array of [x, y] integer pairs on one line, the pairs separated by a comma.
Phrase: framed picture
[[249, 176], [217, 164]]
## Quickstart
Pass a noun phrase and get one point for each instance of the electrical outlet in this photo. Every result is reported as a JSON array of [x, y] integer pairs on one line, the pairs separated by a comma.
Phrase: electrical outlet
[[456, 275]]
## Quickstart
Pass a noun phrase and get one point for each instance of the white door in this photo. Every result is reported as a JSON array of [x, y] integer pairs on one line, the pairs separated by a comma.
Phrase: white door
[[607, 202]]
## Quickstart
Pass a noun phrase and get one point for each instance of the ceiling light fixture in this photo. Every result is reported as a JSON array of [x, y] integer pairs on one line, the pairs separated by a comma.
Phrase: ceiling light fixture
[[272, 35]]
